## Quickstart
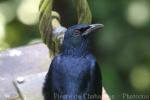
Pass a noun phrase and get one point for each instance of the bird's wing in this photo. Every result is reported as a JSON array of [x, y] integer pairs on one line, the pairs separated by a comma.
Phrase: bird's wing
[[95, 79], [47, 87]]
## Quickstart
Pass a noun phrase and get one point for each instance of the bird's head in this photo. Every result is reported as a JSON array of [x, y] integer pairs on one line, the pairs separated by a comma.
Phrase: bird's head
[[78, 36]]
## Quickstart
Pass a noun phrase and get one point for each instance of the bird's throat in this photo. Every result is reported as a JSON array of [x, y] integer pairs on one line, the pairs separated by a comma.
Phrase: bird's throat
[[79, 51], [76, 52]]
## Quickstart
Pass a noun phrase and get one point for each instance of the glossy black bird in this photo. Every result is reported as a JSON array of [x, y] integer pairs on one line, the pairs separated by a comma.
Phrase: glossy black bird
[[74, 74]]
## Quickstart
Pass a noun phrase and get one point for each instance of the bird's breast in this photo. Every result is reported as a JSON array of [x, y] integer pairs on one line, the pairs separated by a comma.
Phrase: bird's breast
[[73, 67]]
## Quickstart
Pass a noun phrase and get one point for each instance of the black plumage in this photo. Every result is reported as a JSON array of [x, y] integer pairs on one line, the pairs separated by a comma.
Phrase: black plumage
[[74, 74]]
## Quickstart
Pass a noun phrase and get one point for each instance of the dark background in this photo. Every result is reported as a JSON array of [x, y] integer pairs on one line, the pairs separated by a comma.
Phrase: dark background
[[122, 48]]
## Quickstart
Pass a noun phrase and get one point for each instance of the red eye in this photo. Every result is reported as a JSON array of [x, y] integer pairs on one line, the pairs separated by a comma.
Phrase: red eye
[[77, 33]]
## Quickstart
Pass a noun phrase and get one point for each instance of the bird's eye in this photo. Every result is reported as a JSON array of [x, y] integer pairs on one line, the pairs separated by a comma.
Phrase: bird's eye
[[77, 33]]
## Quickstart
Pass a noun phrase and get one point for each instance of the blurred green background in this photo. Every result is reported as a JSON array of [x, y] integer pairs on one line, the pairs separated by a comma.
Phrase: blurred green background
[[123, 47]]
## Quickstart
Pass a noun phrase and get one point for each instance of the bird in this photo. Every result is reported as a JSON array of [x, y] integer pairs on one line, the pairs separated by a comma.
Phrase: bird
[[74, 73]]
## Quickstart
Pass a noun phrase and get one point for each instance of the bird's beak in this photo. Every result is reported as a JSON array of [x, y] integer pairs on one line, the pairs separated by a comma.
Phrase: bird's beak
[[92, 28]]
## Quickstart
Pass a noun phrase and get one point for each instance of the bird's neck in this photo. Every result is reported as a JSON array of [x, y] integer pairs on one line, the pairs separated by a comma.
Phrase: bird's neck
[[79, 51], [76, 52]]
